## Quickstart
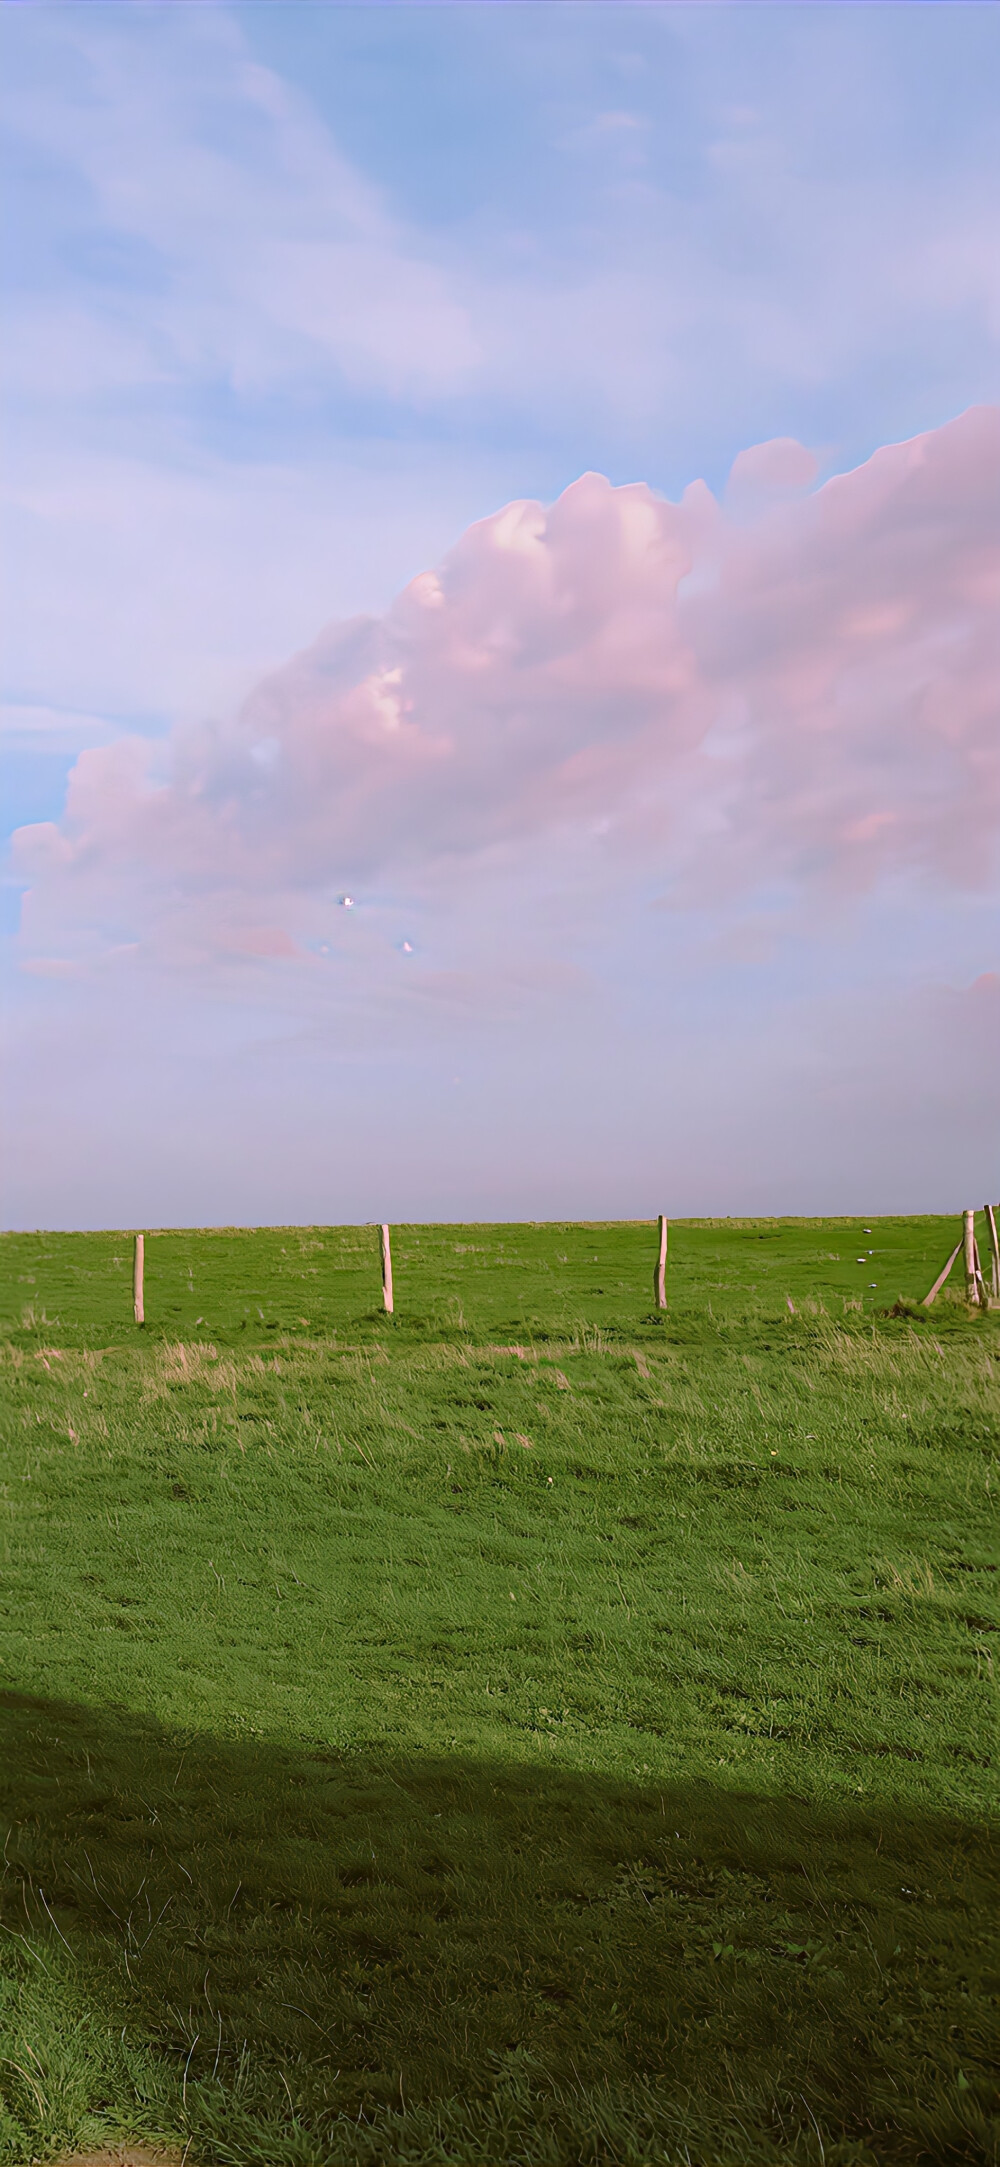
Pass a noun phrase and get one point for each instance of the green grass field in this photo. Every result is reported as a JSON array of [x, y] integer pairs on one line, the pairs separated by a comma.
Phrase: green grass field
[[529, 1728]]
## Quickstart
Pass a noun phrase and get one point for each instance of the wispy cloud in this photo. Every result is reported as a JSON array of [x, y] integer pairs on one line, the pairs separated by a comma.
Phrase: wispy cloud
[[203, 227], [239, 245]]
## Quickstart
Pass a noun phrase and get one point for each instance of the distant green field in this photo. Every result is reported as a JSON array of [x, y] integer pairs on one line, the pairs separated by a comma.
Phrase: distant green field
[[529, 1728], [77, 1288]]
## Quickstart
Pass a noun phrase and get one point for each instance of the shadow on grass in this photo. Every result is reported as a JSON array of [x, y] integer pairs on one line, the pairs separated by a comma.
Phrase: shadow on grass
[[317, 1958]]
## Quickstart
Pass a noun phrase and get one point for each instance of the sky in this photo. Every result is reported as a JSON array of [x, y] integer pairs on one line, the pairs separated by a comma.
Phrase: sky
[[500, 671]]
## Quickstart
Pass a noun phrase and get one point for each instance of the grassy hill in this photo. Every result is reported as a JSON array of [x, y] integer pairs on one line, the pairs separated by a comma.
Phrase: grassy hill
[[531, 1727]]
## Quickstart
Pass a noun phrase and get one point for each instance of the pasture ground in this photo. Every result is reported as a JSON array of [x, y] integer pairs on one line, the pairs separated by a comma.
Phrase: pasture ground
[[530, 1728]]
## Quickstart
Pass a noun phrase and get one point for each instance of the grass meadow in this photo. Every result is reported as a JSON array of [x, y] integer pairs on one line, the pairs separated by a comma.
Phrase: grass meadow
[[530, 1728]]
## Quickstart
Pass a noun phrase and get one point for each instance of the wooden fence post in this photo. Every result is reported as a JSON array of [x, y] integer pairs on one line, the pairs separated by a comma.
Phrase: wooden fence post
[[995, 1246], [969, 1246], [386, 1253], [660, 1267], [138, 1260]]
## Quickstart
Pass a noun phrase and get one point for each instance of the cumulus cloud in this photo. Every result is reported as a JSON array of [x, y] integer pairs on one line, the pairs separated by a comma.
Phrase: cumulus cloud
[[707, 705], [764, 472]]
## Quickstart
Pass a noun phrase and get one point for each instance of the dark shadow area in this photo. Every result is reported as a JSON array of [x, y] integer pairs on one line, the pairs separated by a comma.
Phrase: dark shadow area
[[377, 1960]]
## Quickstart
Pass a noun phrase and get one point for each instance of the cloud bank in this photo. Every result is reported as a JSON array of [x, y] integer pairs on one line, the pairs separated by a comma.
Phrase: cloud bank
[[703, 702], [670, 837]]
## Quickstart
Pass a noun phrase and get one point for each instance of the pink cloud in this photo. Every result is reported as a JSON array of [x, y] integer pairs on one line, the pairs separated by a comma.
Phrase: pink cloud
[[807, 696], [778, 468]]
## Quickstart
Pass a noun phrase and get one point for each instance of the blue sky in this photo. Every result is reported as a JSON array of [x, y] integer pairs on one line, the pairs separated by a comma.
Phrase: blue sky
[[296, 295]]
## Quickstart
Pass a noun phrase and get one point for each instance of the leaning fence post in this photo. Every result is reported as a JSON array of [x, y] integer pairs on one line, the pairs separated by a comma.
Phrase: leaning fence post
[[138, 1259], [386, 1254], [941, 1277], [969, 1246], [660, 1267]]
